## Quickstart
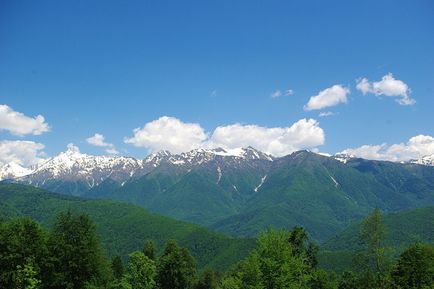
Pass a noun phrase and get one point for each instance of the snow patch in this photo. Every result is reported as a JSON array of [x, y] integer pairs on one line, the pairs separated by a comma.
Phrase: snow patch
[[334, 181], [219, 172], [261, 183]]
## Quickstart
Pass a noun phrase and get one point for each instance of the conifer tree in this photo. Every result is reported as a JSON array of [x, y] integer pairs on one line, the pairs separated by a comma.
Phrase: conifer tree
[[117, 267], [373, 260], [149, 249]]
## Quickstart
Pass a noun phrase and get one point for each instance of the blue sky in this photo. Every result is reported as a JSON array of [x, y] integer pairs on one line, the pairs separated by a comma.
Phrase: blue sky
[[109, 67]]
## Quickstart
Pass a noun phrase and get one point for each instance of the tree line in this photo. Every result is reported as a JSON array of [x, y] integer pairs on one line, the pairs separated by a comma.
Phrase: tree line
[[70, 256]]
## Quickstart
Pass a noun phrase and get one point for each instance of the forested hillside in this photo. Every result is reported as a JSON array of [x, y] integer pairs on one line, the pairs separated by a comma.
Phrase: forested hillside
[[124, 227], [69, 255]]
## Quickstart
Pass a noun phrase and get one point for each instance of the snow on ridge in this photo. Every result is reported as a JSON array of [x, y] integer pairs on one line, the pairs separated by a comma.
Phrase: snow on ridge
[[427, 160], [203, 155], [72, 164], [343, 158], [12, 170]]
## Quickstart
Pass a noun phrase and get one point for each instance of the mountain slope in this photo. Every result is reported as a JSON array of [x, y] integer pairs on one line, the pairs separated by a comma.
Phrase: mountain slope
[[242, 196], [324, 195], [124, 227], [202, 193]]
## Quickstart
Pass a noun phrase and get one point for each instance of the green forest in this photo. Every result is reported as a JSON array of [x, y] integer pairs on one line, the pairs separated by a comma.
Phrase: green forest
[[70, 255]]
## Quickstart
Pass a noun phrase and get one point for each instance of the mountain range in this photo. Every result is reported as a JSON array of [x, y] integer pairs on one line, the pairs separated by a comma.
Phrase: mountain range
[[242, 191]]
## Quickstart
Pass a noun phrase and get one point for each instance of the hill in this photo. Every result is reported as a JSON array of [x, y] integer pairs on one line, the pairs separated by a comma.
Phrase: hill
[[402, 229], [124, 227]]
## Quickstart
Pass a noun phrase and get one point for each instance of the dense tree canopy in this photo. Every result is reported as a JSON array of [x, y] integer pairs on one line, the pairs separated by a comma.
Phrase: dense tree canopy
[[415, 267], [22, 249], [70, 256], [176, 268], [77, 257]]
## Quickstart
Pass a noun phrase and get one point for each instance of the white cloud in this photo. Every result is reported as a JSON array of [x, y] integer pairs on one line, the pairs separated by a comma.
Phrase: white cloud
[[168, 133], [363, 85], [415, 148], [99, 141], [326, 113], [288, 92], [328, 97], [278, 141], [278, 93], [388, 86], [25, 153], [19, 124], [112, 151], [73, 148]]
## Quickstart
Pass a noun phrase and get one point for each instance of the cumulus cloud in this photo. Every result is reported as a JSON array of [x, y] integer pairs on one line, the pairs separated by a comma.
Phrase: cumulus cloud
[[415, 148], [19, 124], [169, 133], [328, 97], [99, 141], [25, 153], [278, 141], [388, 86]]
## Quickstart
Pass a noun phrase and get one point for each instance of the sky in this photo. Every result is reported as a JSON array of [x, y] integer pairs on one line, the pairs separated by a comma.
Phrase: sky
[[134, 77]]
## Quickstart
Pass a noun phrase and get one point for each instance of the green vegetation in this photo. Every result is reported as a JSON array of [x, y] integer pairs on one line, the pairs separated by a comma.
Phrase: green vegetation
[[401, 230], [123, 227], [415, 267], [68, 249], [70, 255]]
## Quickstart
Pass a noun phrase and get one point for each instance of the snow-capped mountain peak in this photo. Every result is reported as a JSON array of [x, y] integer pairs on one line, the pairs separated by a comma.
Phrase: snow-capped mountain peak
[[155, 159], [426, 160], [202, 155], [63, 161], [72, 165], [252, 153], [342, 157], [13, 170]]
